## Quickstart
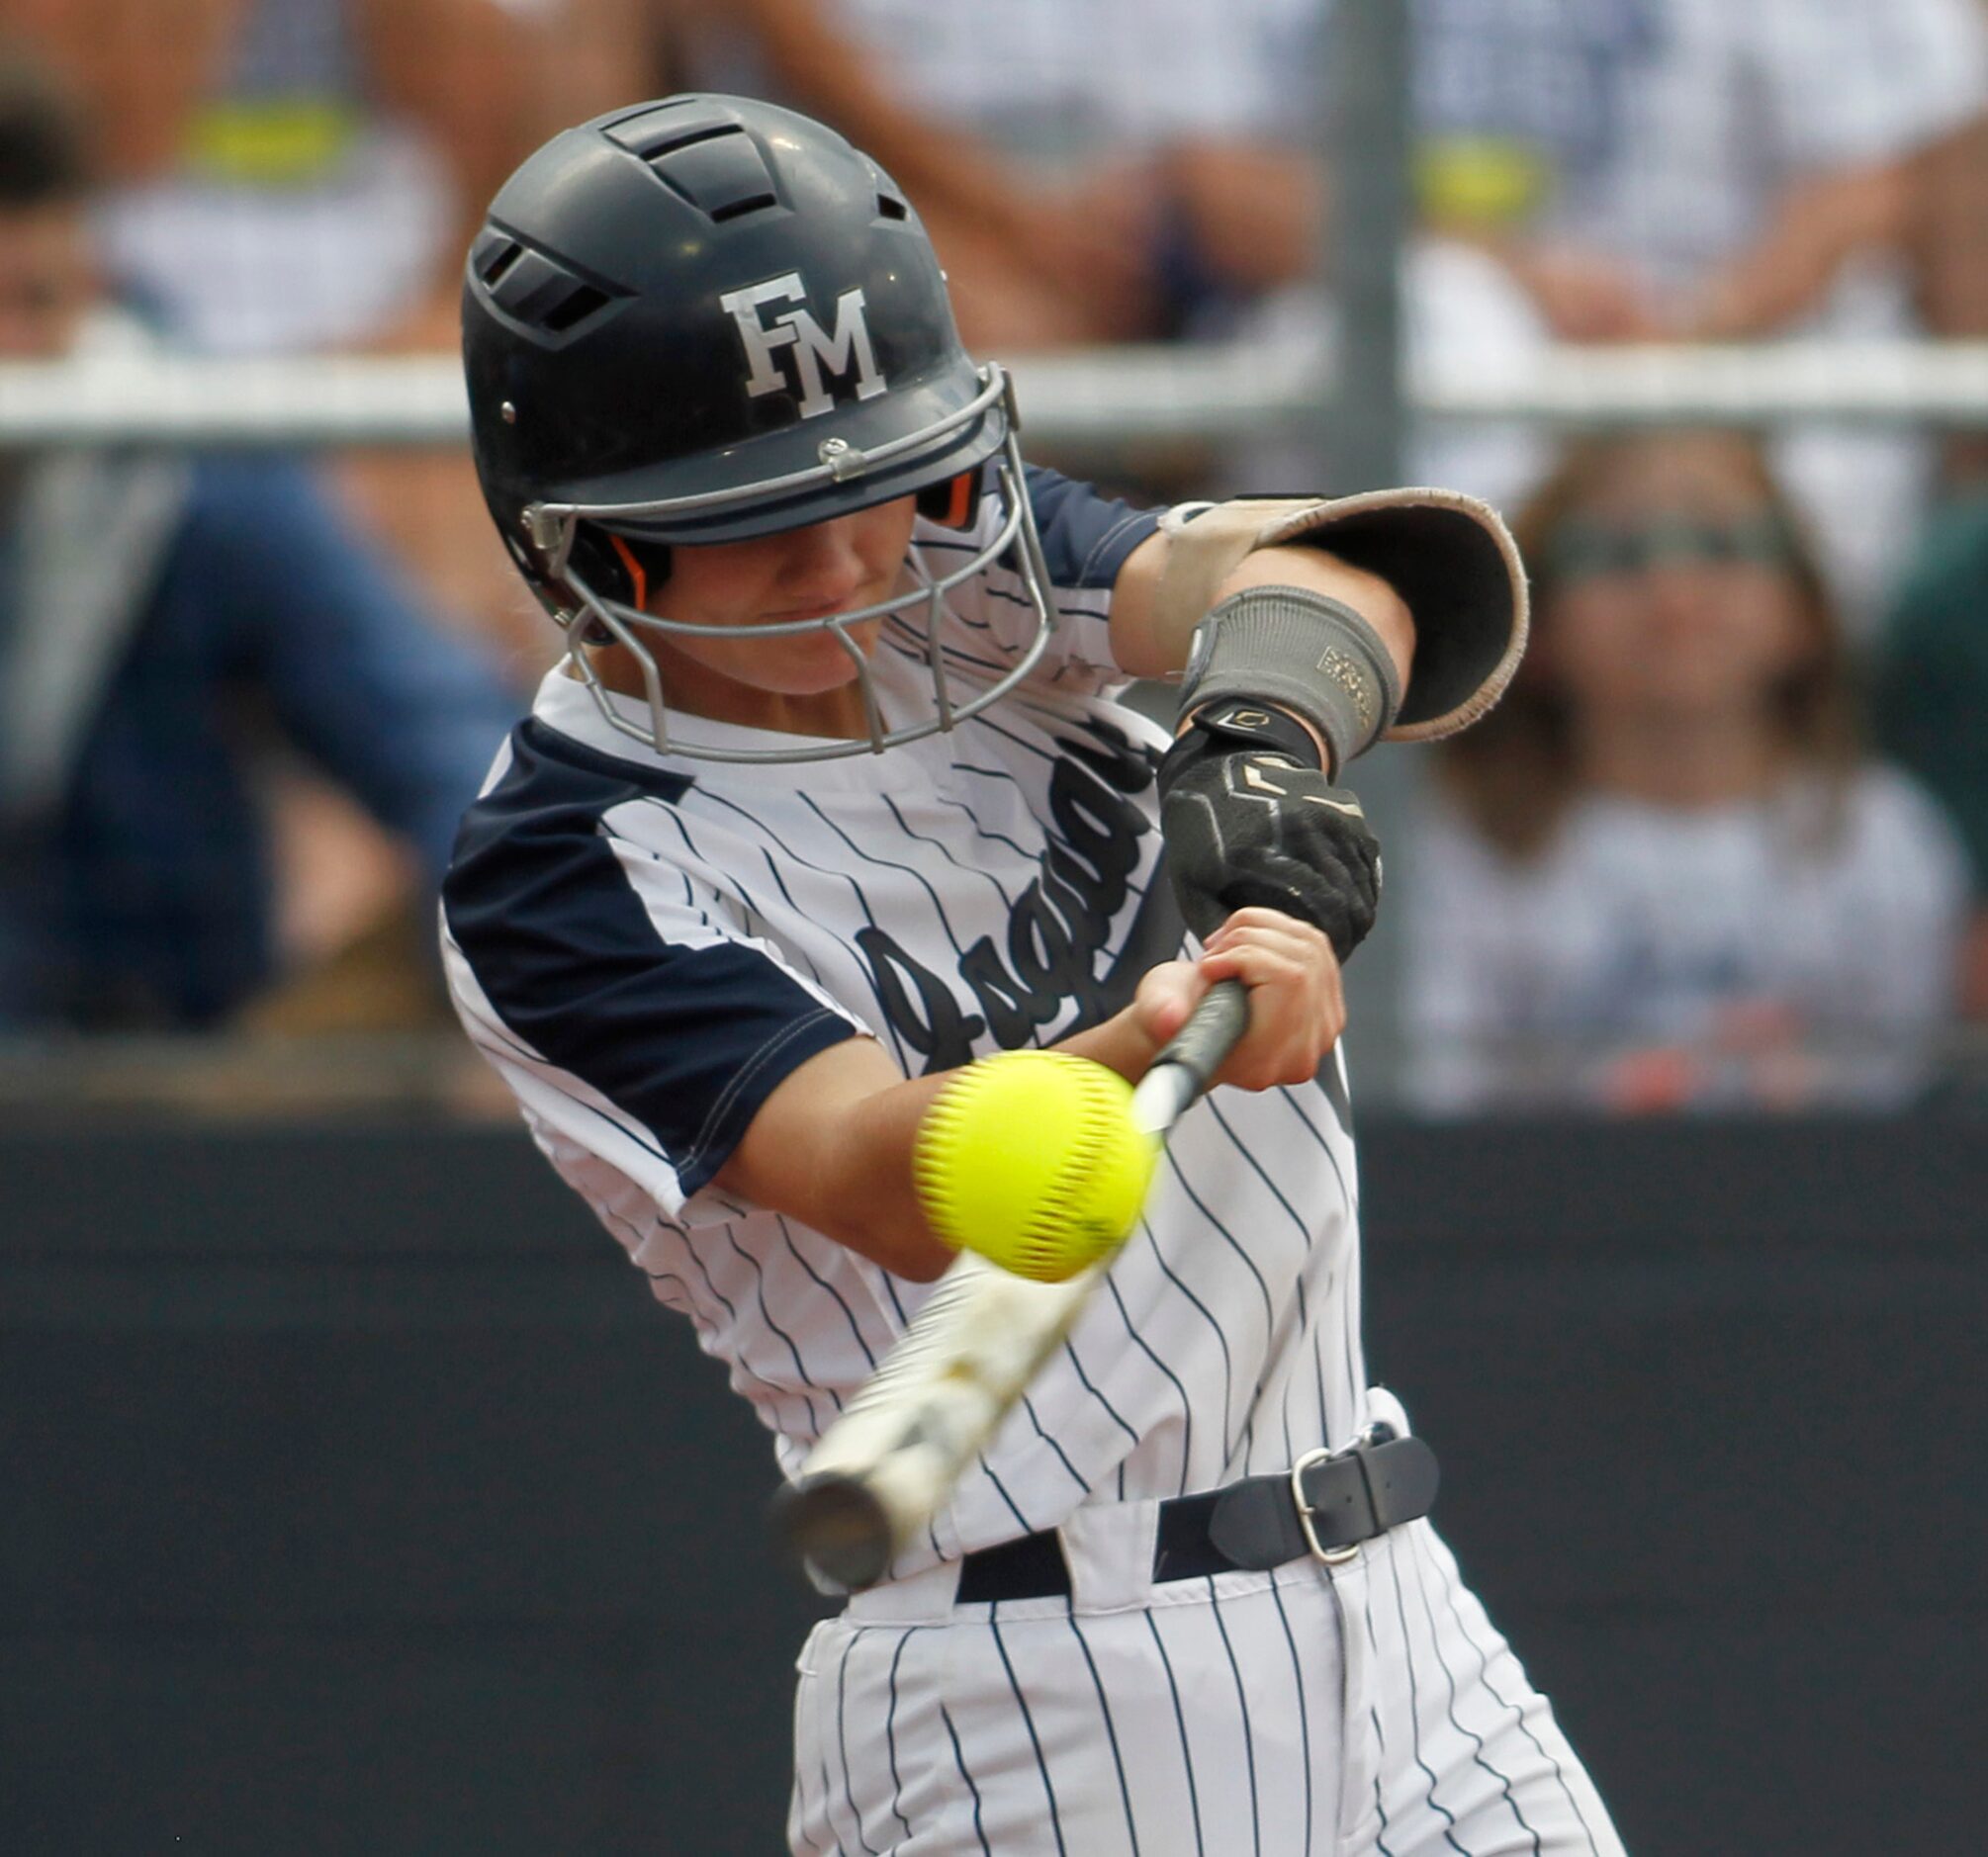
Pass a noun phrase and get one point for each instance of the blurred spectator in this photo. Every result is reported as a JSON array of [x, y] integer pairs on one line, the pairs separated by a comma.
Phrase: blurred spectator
[[1685, 167], [1704, 171], [289, 176], [154, 615], [1591, 171], [286, 175], [1046, 143], [1932, 706], [1662, 876]]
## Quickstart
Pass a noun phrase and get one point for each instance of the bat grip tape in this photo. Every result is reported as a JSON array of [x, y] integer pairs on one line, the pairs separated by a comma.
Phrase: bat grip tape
[[1199, 1047]]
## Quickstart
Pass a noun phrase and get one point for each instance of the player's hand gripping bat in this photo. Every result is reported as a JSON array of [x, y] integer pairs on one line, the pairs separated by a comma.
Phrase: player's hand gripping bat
[[890, 1462]]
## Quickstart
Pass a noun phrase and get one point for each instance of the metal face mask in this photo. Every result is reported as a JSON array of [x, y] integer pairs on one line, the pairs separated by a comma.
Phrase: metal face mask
[[594, 612]]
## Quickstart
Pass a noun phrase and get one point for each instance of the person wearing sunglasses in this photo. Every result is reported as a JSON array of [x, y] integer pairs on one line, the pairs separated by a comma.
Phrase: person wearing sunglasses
[[1664, 875]]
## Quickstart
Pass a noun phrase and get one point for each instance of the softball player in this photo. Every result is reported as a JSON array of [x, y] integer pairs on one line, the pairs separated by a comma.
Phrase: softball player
[[829, 796]]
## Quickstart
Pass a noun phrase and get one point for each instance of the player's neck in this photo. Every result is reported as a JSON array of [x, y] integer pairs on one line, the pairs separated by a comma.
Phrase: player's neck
[[694, 689]]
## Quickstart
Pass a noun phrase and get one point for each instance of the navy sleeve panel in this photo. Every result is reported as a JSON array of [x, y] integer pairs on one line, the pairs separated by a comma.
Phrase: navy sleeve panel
[[689, 1040], [1086, 537]]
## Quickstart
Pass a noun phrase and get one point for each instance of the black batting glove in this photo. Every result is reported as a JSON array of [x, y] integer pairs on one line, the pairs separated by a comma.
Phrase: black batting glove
[[1250, 817]]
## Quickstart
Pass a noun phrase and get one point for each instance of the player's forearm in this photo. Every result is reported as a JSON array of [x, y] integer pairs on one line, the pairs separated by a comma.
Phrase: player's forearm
[[834, 1145], [1146, 646]]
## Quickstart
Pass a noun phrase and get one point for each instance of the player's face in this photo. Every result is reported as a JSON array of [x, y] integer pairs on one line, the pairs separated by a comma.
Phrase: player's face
[[1674, 594], [827, 568]]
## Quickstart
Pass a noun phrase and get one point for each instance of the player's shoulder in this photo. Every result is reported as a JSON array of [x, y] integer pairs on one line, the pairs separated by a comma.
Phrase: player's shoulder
[[1086, 533], [545, 798]]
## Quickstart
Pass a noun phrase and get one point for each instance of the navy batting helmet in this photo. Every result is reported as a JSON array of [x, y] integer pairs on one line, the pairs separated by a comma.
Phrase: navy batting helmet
[[706, 319]]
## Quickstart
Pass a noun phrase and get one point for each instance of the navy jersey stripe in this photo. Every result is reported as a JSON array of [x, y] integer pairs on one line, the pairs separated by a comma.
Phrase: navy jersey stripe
[[1215, 1328], [1448, 1817], [960, 1761], [1380, 1737], [1180, 1721], [890, 1734], [842, 1740], [794, 1353], [824, 870], [1303, 1715], [1242, 1714], [689, 1041], [1186, 1404], [840, 1301], [1111, 1728], [1028, 1722], [938, 845], [1117, 1418], [1450, 1707], [1518, 1713]]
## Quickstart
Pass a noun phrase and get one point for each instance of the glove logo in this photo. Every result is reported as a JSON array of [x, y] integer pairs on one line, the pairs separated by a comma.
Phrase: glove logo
[[1253, 720], [1352, 678], [816, 351]]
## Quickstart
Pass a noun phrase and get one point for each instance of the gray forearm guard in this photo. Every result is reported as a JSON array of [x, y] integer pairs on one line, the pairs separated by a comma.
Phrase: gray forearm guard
[[1305, 652], [1448, 556]]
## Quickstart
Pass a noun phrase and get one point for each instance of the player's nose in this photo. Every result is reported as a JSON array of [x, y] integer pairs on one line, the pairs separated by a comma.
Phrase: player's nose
[[823, 564]]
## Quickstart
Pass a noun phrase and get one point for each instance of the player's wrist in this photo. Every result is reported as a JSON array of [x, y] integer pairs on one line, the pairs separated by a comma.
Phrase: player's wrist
[[1256, 727], [1125, 1042], [1291, 653]]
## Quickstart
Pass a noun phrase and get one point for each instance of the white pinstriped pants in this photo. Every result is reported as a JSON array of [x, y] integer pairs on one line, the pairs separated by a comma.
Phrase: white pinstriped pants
[[1313, 1712]]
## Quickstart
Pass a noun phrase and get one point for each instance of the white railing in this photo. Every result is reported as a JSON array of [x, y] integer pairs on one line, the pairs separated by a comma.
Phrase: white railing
[[1096, 398]]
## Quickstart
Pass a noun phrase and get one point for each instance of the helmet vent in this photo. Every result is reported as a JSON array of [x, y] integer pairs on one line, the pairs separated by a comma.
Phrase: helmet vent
[[703, 155], [738, 209], [532, 288], [889, 207], [720, 172], [576, 307], [494, 254]]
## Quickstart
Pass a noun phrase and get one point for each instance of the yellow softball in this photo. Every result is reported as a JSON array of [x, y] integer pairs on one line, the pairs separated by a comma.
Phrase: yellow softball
[[1030, 1159]]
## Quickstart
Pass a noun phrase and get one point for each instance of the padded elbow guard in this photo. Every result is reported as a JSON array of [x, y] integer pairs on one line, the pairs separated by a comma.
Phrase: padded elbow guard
[[1448, 556]]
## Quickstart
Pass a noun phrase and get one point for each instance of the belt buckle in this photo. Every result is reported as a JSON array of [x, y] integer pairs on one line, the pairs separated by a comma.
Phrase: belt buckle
[[1326, 1556]]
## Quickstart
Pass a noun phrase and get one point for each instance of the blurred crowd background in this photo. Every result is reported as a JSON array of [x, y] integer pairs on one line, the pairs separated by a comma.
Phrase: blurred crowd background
[[1724, 848]]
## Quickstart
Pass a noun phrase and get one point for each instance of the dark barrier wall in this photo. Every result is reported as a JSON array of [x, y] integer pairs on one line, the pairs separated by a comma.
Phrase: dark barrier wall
[[356, 1498]]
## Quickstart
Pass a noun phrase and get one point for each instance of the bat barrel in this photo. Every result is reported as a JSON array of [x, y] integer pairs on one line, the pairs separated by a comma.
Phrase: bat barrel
[[835, 1525]]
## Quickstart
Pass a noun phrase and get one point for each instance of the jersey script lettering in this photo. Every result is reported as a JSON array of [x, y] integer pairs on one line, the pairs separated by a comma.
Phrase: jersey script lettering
[[1056, 927]]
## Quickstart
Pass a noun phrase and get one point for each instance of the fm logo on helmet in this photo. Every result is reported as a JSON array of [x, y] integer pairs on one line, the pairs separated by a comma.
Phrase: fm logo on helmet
[[815, 350]]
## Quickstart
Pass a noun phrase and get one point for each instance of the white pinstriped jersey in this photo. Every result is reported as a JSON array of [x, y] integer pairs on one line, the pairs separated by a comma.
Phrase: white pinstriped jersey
[[645, 945]]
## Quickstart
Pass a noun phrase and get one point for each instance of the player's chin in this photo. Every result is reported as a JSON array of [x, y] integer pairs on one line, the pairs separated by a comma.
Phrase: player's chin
[[820, 678], [819, 665]]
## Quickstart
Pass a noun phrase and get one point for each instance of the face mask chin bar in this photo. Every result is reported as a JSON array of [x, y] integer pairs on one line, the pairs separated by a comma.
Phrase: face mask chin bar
[[551, 528]]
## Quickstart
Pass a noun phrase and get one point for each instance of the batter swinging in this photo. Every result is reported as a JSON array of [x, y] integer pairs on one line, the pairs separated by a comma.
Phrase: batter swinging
[[830, 796]]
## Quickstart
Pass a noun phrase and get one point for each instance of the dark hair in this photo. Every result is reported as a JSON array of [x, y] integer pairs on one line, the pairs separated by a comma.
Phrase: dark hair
[[1514, 773], [43, 145]]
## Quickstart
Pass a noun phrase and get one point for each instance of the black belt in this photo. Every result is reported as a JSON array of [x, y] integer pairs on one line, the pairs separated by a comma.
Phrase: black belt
[[1326, 1506]]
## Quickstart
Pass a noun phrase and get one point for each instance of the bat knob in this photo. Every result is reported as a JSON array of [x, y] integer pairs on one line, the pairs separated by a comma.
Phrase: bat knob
[[837, 1526]]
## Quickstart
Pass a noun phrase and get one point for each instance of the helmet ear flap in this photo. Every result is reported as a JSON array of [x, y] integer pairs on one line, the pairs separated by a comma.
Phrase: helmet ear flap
[[592, 556], [952, 503], [615, 567]]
